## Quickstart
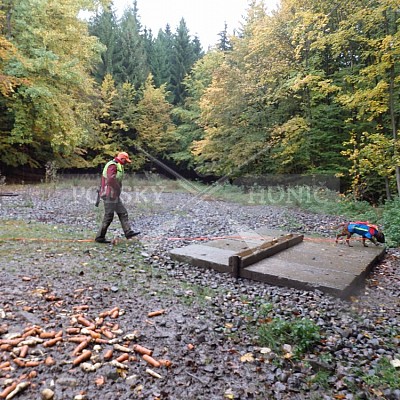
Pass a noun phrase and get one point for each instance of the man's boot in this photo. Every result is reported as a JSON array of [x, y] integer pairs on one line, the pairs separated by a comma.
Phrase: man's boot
[[131, 234], [126, 226], [101, 235]]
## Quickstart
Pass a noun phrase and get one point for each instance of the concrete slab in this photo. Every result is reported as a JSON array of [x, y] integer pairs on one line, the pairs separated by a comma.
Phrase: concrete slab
[[235, 245], [335, 269], [314, 263], [201, 255]]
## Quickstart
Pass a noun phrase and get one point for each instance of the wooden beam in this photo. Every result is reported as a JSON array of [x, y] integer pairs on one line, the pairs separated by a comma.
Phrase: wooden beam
[[248, 257]]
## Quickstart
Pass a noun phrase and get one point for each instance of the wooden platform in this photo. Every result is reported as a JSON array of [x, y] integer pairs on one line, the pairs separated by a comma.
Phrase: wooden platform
[[286, 259]]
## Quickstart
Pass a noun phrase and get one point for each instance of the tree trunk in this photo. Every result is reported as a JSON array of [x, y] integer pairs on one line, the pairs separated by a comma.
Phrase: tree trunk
[[388, 194]]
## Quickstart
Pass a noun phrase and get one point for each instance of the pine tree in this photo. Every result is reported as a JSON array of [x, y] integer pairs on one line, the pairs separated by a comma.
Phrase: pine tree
[[224, 43], [130, 61], [185, 53], [160, 59], [105, 27]]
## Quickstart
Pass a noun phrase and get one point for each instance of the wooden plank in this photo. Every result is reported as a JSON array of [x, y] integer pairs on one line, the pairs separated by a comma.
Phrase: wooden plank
[[268, 249], [234, 264]]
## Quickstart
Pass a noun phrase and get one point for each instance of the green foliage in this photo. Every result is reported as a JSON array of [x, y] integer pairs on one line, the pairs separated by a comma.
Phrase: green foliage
[[50, 113], [130, 58], [383, 375], [187, 117], [105, 27], [160, 58], [185, 53], [301, 334], [391, 222], [312, 87], [154, 123], [322, 379], [299, 83]]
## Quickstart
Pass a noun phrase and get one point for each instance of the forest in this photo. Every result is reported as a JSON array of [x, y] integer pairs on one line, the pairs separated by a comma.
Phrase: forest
[[310, 88]]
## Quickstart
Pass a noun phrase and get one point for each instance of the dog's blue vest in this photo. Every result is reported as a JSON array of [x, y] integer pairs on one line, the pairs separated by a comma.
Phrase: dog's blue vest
[[360, 229]]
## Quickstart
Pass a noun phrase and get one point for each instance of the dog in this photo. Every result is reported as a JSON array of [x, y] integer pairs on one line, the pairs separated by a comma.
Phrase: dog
[[364, 229]]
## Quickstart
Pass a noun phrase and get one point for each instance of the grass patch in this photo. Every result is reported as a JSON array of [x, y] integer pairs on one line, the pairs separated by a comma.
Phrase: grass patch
[[382, 376], [301, 334], [19, 229]]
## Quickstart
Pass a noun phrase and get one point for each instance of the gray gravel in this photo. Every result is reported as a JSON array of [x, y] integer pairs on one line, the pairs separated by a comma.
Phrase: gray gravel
[[356, 334]]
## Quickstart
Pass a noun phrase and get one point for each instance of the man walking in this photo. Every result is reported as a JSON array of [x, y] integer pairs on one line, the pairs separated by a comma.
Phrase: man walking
[[110, 191]]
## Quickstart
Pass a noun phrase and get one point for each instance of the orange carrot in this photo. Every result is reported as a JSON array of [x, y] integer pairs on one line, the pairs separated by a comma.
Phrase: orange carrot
[[31, 332], [165, 363], [30, 327], [52, 342], [84, 307], [108, 354], [73, 331], [24, 351], [81, 346], [155, 313], [123, 357], [77, 339], [107, 334], [151, 360], [114, 314], [142, 350], [13, 342], [32, 374], [32, 363], [8, 390], [49, 361], [5, 364], [48, 335], [19, 362], [83, 357], [94, 335], [83, 321], [104, 314]]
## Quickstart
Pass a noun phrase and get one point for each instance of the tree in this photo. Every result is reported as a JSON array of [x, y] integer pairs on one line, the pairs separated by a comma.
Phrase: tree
[[224, 43], [8, 86], [240, 107], [130, 61], [367, 43], [154, 124], [52, 115], [107, 143], [183, 57], [189, 129], [104, 26], [160, 57]]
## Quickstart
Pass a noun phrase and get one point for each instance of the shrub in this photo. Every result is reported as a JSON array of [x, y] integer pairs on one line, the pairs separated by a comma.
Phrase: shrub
[[391, 222], [301, 334]]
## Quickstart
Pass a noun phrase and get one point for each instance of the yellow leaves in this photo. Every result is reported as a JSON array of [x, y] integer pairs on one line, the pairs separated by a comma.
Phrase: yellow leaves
[[229, 394], [248, 357], [154, 124]]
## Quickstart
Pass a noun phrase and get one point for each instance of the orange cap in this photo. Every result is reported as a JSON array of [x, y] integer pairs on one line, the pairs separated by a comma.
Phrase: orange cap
[[124, 156]]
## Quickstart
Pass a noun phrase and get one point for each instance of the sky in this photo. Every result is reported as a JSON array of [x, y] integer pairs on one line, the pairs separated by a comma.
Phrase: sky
[[204, 18]]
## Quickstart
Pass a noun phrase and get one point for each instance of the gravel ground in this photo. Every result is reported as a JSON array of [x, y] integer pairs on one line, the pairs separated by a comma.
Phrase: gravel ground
[[209, 325]]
